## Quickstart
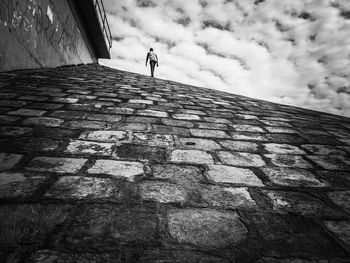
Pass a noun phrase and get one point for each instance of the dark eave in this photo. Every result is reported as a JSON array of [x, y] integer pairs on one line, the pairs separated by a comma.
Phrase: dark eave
[[97, 32]]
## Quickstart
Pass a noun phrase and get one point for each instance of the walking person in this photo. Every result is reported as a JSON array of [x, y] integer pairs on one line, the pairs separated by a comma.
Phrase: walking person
[[153, 60]]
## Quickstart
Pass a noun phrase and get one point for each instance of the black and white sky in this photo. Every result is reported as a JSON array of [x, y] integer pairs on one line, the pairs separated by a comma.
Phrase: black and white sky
[[295, 52]]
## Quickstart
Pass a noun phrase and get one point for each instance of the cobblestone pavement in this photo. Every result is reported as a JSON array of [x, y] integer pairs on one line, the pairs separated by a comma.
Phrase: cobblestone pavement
[[101, 165]]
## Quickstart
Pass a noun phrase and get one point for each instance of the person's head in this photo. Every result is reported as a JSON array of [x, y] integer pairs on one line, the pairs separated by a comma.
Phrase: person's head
[[151, 49]]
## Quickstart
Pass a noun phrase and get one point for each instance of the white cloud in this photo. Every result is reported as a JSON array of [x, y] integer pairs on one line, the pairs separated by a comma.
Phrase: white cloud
[[294, 52]]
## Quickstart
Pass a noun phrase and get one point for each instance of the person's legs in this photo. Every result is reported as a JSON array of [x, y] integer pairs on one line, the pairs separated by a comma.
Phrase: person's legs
[[152, 64]]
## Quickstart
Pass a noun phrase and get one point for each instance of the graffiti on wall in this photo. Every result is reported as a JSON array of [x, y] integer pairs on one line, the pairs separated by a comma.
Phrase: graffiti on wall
[[58, 28]]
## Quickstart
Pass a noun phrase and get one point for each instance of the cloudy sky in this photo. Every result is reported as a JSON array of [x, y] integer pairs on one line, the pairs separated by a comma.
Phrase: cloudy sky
[[294, 52]]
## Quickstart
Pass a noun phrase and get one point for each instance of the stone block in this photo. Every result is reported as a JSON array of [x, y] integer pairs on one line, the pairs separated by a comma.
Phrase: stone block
[[232, 175], [106, 136], [209, 133], [331, 162], [56, 164], [289, 160], [107, 226], [162, 129], [118, 169], [171, 122], [341, 198], [247, 128], [162, 192], [14, 131], [293, 177], [279, 235], [182, 116], [191, 156], [151, 139], [27, 112], [78, 187], [139, 101], [241, 159], [251, 136], [185, 175], [140, 152], [200, 144], [137, 127], [30, 223], [227, 197], [153, 113], [82, 124], [9, 160], [222, 229], [293, 202], [319, 149], [282, 148], [43, 121], [103, 117], [341, 229], [240, 146], [87, 147], [14, 185]]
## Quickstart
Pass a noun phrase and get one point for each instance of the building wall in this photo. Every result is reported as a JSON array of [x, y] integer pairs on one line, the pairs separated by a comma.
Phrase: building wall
[[41, 33]]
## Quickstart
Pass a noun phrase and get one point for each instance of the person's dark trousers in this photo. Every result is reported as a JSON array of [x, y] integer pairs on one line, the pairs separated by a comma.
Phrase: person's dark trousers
[[152, 64]]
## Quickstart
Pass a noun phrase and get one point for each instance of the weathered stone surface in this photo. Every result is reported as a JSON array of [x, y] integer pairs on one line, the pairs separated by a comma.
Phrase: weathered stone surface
[[179, 256], [284, 138], [106, 226], [50, 256], [106, 136], [232, 175], [247, 128], [289, 160], [78, 187], [151, 139], [140, 152], [104, 117], [191, 156], [201, 144], [9, 160], [331, 162], [222, 229], [139, 101], [162, 192], [162, 129], [286, 202], [56, 164], [323, 149], [14, 131], [27, 112], [227, 197], [337, 179], [171, 122], [87, 147], [280, 129], [240, 146], [153, 113], [122, 169], [241, 159], [240, 136], [290, 260], [341, 229], [29, 224], [209, 133], [341, 198], [181, 116], [81, 124], [283, 148], [44, 121], [137, 127], [282, 235], [17, 185], [180, 174], [293, 177]]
